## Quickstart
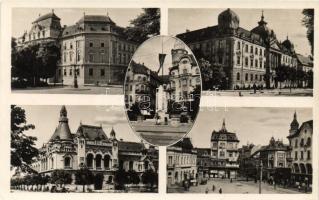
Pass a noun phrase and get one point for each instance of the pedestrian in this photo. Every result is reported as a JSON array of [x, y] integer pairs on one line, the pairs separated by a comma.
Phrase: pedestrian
[[213, 188], [206, 191], [220, 191], [231, 180], [255, 88]]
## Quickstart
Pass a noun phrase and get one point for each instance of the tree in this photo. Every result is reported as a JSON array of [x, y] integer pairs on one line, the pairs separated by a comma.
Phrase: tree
[[195, 103], [83, 177], [144, 26], [218, 77], [120, 179], [150, 178], [308, 22], [309, 78], [206, 73], [61, 177], [134, 111], [49, 55], [281, 74], [133, 177], [23, 148]]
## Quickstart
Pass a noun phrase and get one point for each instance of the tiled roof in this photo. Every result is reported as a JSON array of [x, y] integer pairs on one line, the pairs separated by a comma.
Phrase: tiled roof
[[46, 16], [96, 19], [91, 132], [309, 122], [130, 146], [305, 60], [224, 136], [185, 144]]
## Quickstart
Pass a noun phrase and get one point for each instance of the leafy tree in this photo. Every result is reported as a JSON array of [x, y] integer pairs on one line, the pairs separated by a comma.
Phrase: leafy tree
[[308, 22], [206, 73], [218, 77], [133, 177], [145, 25], [300, 76], [134, 111], [22, 146], [150, 178], [83, 177], [309, 78], [120, 179], [61, 177], [281, 74], [49, 55]]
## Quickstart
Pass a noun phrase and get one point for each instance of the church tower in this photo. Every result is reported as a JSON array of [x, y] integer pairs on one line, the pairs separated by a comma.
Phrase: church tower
[[294, 125], [115, 149]]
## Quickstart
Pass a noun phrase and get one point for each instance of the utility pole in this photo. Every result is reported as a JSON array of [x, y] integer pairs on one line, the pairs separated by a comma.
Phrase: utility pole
[[261, 175]]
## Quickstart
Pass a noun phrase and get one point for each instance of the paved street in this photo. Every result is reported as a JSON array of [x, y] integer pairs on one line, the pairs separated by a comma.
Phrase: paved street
[[274, 92], [239, 187], [113, 90]]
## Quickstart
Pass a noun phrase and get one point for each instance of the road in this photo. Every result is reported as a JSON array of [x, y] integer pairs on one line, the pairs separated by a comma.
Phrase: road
[[237, 187], [113, 90], [274, 92]]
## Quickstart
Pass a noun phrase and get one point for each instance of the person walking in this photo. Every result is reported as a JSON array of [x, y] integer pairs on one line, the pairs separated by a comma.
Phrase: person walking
[[220, 190], [213, 188], [206, 191]]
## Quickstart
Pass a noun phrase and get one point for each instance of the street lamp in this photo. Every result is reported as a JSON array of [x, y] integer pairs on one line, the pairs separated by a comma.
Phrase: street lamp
[[75, 77], [261, 175]]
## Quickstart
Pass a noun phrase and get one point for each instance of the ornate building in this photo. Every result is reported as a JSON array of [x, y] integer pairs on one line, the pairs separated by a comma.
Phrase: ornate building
[[224, 154], [181, 162], [94, 51], [90, 147], [300, 141], [248, 57]]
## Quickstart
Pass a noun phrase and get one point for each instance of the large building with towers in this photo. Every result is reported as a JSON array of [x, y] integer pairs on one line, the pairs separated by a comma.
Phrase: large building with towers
[[94, 51]]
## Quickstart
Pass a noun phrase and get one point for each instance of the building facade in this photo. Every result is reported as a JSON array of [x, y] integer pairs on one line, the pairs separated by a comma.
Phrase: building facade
[[90, 147], [300, 141], [94, 51], [181, 162], [248, 57], [224, 154]]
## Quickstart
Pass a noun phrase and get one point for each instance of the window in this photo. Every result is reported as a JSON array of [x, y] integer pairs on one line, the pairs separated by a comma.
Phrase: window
[[70, 55], [261, 64], [238, 60], [238, 76], [38, 34], [102, 72], [251, 49], [221, 154], [71, 45], [256, 51], [78, 56], [91, 58], [91, 44], [256, 63], [296, 143], [197, 71], [238, 45], [308, 142], [102, 44], [43, 33], [246, 48], [64, 57], [261, 77], [67, 162], [296, 155], [246, 62], [64, 72], [60, 72], [184, 71], [90, 72], [251, 63], [246, 77], [256, 77], [260, 52], [301, 155], [251, 77], [70, 72], [302, 142]]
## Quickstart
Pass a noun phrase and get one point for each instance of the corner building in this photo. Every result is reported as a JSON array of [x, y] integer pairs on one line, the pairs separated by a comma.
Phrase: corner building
[[94, 51], [247, 57]]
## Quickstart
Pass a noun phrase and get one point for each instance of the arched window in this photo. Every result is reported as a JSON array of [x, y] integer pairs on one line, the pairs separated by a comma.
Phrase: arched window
[[131, 165], [67, 162], [52, 163], [238, 45], [302, 142], [98, 161], [197, 71], [89, 160], [106, 161], [296, 143], [238, 76], [308, 142]]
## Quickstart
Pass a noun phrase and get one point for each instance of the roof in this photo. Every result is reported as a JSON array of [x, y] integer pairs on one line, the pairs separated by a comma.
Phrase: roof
[[91, 132], [203, 151], [138, 68], [224, 135], [46, 16], [304, 60], [131, 146], [62, 132], [309, 123], [96, 19], [185, 144]]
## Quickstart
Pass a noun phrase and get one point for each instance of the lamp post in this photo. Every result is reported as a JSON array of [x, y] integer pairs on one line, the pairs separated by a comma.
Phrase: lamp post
[[75, 78], [261, 175]]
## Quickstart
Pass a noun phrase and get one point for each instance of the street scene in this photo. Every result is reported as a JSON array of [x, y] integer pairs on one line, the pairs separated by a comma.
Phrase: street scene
[[267, 151], [62, 149], [249, 52], [76, 51], [162, 90]]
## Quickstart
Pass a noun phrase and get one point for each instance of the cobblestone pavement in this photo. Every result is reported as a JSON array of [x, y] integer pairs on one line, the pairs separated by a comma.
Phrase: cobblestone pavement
[[113, 90], [239, 187]]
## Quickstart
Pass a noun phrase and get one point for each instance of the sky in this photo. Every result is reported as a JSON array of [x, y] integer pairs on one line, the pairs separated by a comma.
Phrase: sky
[[283, 21], [252, 125], [22, 18], [148, 52], [46, 119]]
